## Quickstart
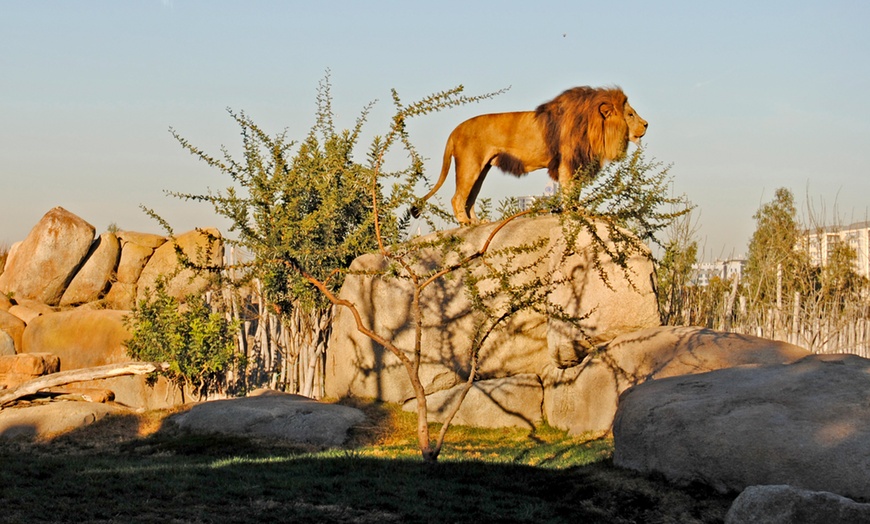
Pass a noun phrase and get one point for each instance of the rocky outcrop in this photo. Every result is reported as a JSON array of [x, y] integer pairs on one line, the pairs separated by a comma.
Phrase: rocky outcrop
[[46, 261], [201, 246], [275, 415], [789, 505], [805, 424], [524, 345], [585, 398], [136, 250], [66, 294]]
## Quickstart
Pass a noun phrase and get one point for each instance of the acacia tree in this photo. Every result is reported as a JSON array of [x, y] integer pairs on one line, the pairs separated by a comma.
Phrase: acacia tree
[[306, 215]]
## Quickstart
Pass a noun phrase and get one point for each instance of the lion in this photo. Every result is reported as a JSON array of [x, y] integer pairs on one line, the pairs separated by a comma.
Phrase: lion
[[581, 129]]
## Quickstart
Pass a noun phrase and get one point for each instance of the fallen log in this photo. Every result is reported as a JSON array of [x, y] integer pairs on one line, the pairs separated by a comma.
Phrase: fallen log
[[77, 375]]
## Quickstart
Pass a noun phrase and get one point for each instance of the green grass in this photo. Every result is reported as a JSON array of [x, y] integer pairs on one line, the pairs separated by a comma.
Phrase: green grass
[[129, 469]]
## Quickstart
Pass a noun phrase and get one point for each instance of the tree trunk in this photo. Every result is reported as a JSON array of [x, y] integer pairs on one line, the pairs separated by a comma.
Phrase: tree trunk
[[77, 375]]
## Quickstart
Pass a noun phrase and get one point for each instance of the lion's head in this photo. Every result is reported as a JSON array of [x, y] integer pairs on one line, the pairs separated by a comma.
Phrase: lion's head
[[586, 127]]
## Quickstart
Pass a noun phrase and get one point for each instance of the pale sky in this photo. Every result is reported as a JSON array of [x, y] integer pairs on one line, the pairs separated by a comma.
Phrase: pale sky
[[742, 97]]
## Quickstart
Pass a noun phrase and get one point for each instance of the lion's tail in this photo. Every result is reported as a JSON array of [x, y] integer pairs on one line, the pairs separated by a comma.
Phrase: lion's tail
[[417, 208]]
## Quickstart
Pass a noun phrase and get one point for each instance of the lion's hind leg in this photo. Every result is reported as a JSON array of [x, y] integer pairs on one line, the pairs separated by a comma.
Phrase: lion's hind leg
[[469, 180]]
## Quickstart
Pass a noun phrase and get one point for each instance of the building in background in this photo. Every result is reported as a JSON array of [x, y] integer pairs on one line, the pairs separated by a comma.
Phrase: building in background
[[821, 242], [724, 269]]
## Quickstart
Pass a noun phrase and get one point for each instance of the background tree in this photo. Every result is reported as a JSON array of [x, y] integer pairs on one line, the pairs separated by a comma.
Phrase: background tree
[[775, 267], [675, 270]]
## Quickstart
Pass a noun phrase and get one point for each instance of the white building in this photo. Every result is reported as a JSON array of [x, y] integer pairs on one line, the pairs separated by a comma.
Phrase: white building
[[724, 269], [857, 236]]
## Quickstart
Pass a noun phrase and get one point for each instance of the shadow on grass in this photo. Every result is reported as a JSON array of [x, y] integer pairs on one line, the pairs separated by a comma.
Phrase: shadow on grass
[[138, 469]]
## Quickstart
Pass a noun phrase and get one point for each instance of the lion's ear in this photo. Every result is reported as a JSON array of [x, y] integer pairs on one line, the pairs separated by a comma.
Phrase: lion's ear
[[606, 109]]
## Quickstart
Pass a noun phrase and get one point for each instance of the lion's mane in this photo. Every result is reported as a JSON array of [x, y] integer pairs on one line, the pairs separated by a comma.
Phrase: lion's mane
[[572, 122]]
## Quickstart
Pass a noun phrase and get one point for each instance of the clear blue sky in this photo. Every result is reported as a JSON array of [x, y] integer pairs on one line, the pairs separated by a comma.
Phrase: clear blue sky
[[742, 97]]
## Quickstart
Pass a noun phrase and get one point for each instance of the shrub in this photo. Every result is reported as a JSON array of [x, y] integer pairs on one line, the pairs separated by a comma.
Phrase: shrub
[[197, 343]]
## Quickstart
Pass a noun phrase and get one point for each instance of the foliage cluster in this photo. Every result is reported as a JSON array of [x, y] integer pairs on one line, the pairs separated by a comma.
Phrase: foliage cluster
[[197, 343]]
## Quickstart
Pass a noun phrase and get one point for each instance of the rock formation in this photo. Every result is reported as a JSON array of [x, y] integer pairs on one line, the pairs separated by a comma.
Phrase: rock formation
[[805, 424], [524, 345]]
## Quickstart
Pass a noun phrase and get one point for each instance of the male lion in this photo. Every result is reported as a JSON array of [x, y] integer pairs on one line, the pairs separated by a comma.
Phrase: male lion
[[584, 127]]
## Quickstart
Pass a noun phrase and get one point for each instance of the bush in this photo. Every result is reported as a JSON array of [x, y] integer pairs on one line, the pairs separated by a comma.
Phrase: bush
[[198, 344]]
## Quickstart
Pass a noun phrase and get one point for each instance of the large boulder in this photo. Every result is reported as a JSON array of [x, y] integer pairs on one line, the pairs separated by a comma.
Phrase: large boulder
[[495, 403], [51, 419], [275, 415], [44, 263], [82, 338], [203, 247], [93, 278], [524, 345], [789, 505], [584, 398], [805, 424]]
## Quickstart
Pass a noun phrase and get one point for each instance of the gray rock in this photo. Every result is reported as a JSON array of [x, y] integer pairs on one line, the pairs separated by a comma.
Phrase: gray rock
[[273, 414], [525, 345], [495, 403], [584, 398], [805, 424], [789, 505]]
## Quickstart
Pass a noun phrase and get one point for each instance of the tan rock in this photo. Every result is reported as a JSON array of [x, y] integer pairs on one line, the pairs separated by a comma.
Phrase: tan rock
[[12, 326], [203, 247], [276, 415], [7, 345], [92, 279], [132, 262], [17, 369], [33, 364], [5, 302], [35, 305], [80, 338], [136, 392], [785, 504], [23, 313], [134, 256], [42, 266], [525, 345], [148, 240], [121, 296], [585, 398]]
